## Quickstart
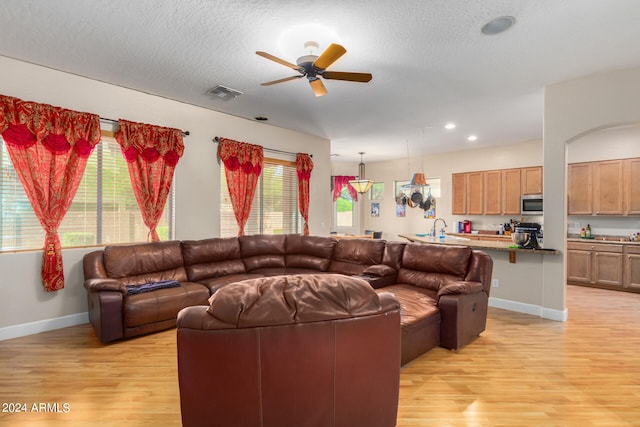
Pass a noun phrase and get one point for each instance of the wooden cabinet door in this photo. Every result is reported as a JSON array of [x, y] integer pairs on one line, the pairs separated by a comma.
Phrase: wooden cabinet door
[[632, 186], [608, 188], [511, 191], [580, 189], [532, 180], [459, 194], [579, 266], [632, 267], [475, 193], [607, 269], [492, 182]]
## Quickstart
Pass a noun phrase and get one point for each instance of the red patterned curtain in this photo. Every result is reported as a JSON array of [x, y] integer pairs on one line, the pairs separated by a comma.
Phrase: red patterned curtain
[[304, 166], [242, 167], [340, 181], [49, 147], [152, 153]]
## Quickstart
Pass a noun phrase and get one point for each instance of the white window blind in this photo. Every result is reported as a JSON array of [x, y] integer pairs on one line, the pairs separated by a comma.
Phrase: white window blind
[[275, 204], [104, 209]]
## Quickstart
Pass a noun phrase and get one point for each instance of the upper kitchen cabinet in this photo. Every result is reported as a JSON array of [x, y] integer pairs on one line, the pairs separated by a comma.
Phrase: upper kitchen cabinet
[[608, 187], [459, 196], [511, 191], [632, 186], [475, 193], [531, 180], [604, 188], [492, 182], [580, 189]]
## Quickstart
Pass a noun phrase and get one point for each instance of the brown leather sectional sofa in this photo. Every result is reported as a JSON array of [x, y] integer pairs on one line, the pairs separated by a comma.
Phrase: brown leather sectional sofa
[[443, 290]]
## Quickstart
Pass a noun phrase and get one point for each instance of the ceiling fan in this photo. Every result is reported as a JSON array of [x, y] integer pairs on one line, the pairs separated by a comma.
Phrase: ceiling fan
[[313, 67]]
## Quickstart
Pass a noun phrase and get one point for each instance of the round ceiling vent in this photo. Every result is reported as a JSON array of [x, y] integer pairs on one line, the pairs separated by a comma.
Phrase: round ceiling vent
[[498, 25]]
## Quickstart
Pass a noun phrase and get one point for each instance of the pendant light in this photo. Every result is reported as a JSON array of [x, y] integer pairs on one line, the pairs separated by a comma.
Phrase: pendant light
[[361, 184]]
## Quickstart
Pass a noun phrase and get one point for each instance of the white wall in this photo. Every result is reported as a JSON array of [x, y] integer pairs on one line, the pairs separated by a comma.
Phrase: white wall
[[24, 305], [572, 110]]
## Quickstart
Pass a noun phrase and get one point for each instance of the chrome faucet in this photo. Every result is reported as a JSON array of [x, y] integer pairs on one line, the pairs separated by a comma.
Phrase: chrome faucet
[[433, 229]]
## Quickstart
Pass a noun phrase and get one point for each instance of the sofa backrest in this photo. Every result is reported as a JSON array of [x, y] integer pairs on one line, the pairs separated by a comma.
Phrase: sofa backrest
[[352, 256], [260, 251], [215, 257], [145, 262], [480, 269], [432, 266], [393, 254], [312, 252]]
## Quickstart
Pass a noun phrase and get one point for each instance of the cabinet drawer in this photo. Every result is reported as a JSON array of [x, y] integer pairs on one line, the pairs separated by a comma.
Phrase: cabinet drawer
[[597, 247], [632, 249]]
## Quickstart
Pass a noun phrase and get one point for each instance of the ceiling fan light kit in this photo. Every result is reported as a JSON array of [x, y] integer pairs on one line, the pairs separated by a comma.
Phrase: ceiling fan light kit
[[313, 67]]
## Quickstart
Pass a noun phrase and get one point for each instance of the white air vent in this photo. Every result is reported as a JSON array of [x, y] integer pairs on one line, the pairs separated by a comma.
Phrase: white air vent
[[224, 93]]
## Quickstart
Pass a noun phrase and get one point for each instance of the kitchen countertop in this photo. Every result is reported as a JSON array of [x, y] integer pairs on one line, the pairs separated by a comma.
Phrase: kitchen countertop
[[476, 244], [611, 240]]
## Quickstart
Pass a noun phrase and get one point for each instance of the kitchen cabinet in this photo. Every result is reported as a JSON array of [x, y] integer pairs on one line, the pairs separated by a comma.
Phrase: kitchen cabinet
[[531, 180], [580, 189], [492, 182], [459, 194], [632, 267], [608, 187], [631, 187], [475, 193], [511, 191], [596, 264]]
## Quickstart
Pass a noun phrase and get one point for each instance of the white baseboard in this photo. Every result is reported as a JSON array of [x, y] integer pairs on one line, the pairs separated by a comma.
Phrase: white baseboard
[[43, 326], [536, 310]]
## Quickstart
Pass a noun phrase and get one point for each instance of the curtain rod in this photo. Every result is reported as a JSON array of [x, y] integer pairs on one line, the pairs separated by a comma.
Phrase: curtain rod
[[271, 150], [115, 122]]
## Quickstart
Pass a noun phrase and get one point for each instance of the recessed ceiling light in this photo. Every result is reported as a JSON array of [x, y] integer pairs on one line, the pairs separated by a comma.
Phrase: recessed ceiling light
[[472, 138], [498, 25], [450, 126]]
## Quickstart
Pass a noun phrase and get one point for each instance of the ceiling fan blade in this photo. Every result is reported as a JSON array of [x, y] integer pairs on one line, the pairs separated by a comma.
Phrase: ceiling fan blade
[[278, 60], [318, 87], [329, 56], [286, 79], [352, 77]]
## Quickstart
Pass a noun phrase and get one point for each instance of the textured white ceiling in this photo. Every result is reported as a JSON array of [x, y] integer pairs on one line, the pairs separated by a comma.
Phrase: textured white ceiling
[[429, 60]]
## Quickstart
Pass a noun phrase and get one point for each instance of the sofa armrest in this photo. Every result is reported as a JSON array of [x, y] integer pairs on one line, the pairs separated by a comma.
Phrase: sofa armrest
[[460, 288], [97, 285], [379, 270]]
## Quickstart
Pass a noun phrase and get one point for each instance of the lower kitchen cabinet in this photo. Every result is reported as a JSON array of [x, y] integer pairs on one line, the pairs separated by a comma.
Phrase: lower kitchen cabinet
[[632, 267], [596, 264]]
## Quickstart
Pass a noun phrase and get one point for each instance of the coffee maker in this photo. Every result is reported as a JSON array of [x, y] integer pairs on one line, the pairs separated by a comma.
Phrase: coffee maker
[[533, 230]]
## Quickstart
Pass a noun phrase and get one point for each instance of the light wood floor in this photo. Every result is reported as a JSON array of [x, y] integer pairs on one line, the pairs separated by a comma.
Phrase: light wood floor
[[522, 371]]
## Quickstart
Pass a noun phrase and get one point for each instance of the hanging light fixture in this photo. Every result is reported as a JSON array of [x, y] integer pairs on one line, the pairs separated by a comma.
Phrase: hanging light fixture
[[361, 184]]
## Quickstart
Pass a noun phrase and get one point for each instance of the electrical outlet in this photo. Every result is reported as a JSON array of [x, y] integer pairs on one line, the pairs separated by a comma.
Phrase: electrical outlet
[[576, 224], [495, 283]]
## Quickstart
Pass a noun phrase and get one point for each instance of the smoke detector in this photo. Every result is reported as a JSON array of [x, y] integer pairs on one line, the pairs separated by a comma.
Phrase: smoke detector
[[223, 92]]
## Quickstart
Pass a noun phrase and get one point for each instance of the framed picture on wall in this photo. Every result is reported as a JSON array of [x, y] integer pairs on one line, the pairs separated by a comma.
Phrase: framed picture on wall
[[377, 191], [375, 209], [401, 211]]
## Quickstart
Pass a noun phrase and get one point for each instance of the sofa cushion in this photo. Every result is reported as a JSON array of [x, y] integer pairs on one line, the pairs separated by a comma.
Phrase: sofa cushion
[[146, 262], [352, 256], [263, 251], [433, 266], [215, 283], [309, 252], [162, 304], [215, 257]]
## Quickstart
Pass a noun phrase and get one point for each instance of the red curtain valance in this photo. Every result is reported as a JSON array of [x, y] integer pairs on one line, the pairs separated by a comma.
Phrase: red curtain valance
[[152, 153], [304, 166], [48, 147], [243, 164], [340, 181]]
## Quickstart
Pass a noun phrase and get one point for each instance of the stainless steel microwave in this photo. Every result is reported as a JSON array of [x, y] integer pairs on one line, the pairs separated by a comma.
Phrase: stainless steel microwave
[[531, 204]]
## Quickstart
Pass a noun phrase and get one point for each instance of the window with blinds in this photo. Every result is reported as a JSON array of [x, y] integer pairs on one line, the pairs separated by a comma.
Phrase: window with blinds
[[275, 204], [104, 209]]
